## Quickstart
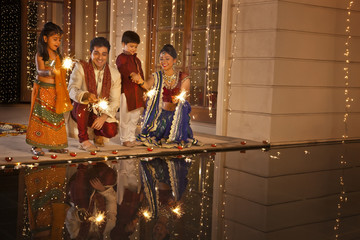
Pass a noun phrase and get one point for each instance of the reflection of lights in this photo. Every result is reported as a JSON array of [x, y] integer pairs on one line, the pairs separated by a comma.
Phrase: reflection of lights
[[151, 93], [98, 219], [181, 96], [146, 215], [188, 159]]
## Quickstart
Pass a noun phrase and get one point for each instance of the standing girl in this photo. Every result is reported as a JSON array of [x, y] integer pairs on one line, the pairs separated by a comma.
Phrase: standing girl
[[50, 98]]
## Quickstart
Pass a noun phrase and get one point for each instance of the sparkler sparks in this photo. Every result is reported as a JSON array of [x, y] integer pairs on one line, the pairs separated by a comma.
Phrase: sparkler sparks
[[146, 214], [98, 218], [151, 93], [102, 105], [177, 211], [181, 97], [67, 63]]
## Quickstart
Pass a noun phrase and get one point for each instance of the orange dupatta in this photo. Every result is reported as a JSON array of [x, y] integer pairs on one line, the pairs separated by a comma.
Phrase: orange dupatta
[[63, 103]]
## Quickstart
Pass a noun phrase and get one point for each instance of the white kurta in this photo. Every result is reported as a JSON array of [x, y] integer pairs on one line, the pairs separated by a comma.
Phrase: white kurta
[[77, 87]]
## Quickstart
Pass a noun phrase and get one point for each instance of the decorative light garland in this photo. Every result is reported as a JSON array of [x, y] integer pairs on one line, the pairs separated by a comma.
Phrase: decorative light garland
[[85, 46], [10, 52], [343, 164], [31, 41], [96, 18], [233, 50]]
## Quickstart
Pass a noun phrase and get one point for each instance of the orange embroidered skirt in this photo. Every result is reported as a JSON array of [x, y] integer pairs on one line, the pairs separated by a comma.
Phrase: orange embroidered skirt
[[46, 128]]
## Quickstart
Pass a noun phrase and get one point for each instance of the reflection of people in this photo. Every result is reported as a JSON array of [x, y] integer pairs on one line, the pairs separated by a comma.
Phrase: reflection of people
[[91, 193], [164, 182], [132, 103], [89, 82], [50, 98], [166, 119], [46, 210], [129, 199]]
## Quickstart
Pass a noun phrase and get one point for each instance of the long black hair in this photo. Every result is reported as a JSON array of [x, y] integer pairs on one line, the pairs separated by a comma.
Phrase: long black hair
[[48, 30]]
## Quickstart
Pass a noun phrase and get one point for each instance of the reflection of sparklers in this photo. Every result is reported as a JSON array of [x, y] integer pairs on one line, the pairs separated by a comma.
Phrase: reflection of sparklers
[[151, 93], [181, 96], [98, 218], [146, 214], [177, 210]]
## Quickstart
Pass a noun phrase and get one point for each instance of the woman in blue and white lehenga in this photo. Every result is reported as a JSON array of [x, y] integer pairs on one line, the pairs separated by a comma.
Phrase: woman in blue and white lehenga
[[166, 120]]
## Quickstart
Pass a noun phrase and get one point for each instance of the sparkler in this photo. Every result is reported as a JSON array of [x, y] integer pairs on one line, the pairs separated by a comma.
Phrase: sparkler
[[101, 106], [177, 211], [151, 93], [67, 63], [146, 214], [181, 96]]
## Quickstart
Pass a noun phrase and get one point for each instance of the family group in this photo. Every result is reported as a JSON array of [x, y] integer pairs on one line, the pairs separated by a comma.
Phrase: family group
[[159, 100]]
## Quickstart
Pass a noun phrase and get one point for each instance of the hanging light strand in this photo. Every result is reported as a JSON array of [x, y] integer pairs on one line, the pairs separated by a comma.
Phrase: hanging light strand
[[233, 50], [343, 164]]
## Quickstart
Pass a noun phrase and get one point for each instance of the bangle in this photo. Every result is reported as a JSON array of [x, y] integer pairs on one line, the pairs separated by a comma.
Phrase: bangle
[[142, 83]]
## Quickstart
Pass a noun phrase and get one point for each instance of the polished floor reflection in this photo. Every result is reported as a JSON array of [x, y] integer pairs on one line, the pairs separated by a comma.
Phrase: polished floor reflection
[[292, 192]]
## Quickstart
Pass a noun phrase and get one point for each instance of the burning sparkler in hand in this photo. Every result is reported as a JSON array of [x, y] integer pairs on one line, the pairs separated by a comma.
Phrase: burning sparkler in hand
[[68, 63], [181, 97], [151, 93]]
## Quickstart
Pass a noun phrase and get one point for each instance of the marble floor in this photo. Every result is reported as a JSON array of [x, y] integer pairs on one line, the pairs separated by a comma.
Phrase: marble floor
[[16, 148]]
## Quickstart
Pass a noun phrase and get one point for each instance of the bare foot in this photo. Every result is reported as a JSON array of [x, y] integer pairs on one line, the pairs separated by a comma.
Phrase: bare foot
[[88, 146]]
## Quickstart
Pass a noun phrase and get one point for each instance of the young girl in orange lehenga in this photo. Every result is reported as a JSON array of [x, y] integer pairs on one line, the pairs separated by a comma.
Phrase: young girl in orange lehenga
[[50, 98]]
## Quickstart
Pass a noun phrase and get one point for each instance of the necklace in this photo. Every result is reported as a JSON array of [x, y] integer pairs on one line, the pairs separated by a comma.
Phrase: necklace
[[169, 80]]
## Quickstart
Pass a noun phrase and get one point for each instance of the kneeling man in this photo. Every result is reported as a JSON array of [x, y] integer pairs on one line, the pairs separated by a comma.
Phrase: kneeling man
[[89, 82]]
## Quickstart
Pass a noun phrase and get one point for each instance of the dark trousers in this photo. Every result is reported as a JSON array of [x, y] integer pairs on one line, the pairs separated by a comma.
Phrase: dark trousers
[[84, 119]]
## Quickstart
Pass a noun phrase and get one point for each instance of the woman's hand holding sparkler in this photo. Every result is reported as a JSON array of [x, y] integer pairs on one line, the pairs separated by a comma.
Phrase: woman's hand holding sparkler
[[181, 97]]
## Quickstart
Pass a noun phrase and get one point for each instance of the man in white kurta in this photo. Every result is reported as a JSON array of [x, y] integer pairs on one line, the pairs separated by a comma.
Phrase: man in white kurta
[[89, 83]]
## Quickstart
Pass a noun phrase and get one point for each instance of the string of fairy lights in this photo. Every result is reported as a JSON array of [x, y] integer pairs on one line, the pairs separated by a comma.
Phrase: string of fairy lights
[[232, 59], [10, 52], [343, 163], [31, 41], [96, 18]]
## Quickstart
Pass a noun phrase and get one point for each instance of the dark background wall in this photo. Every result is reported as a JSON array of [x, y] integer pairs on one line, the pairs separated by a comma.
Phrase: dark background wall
[[10, 50]]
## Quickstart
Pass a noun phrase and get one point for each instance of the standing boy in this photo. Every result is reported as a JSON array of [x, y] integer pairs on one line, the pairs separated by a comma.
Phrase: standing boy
[[132, 103]]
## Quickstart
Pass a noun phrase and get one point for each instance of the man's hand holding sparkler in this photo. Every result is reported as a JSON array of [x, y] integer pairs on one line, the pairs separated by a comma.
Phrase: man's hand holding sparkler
[[90, 97]]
